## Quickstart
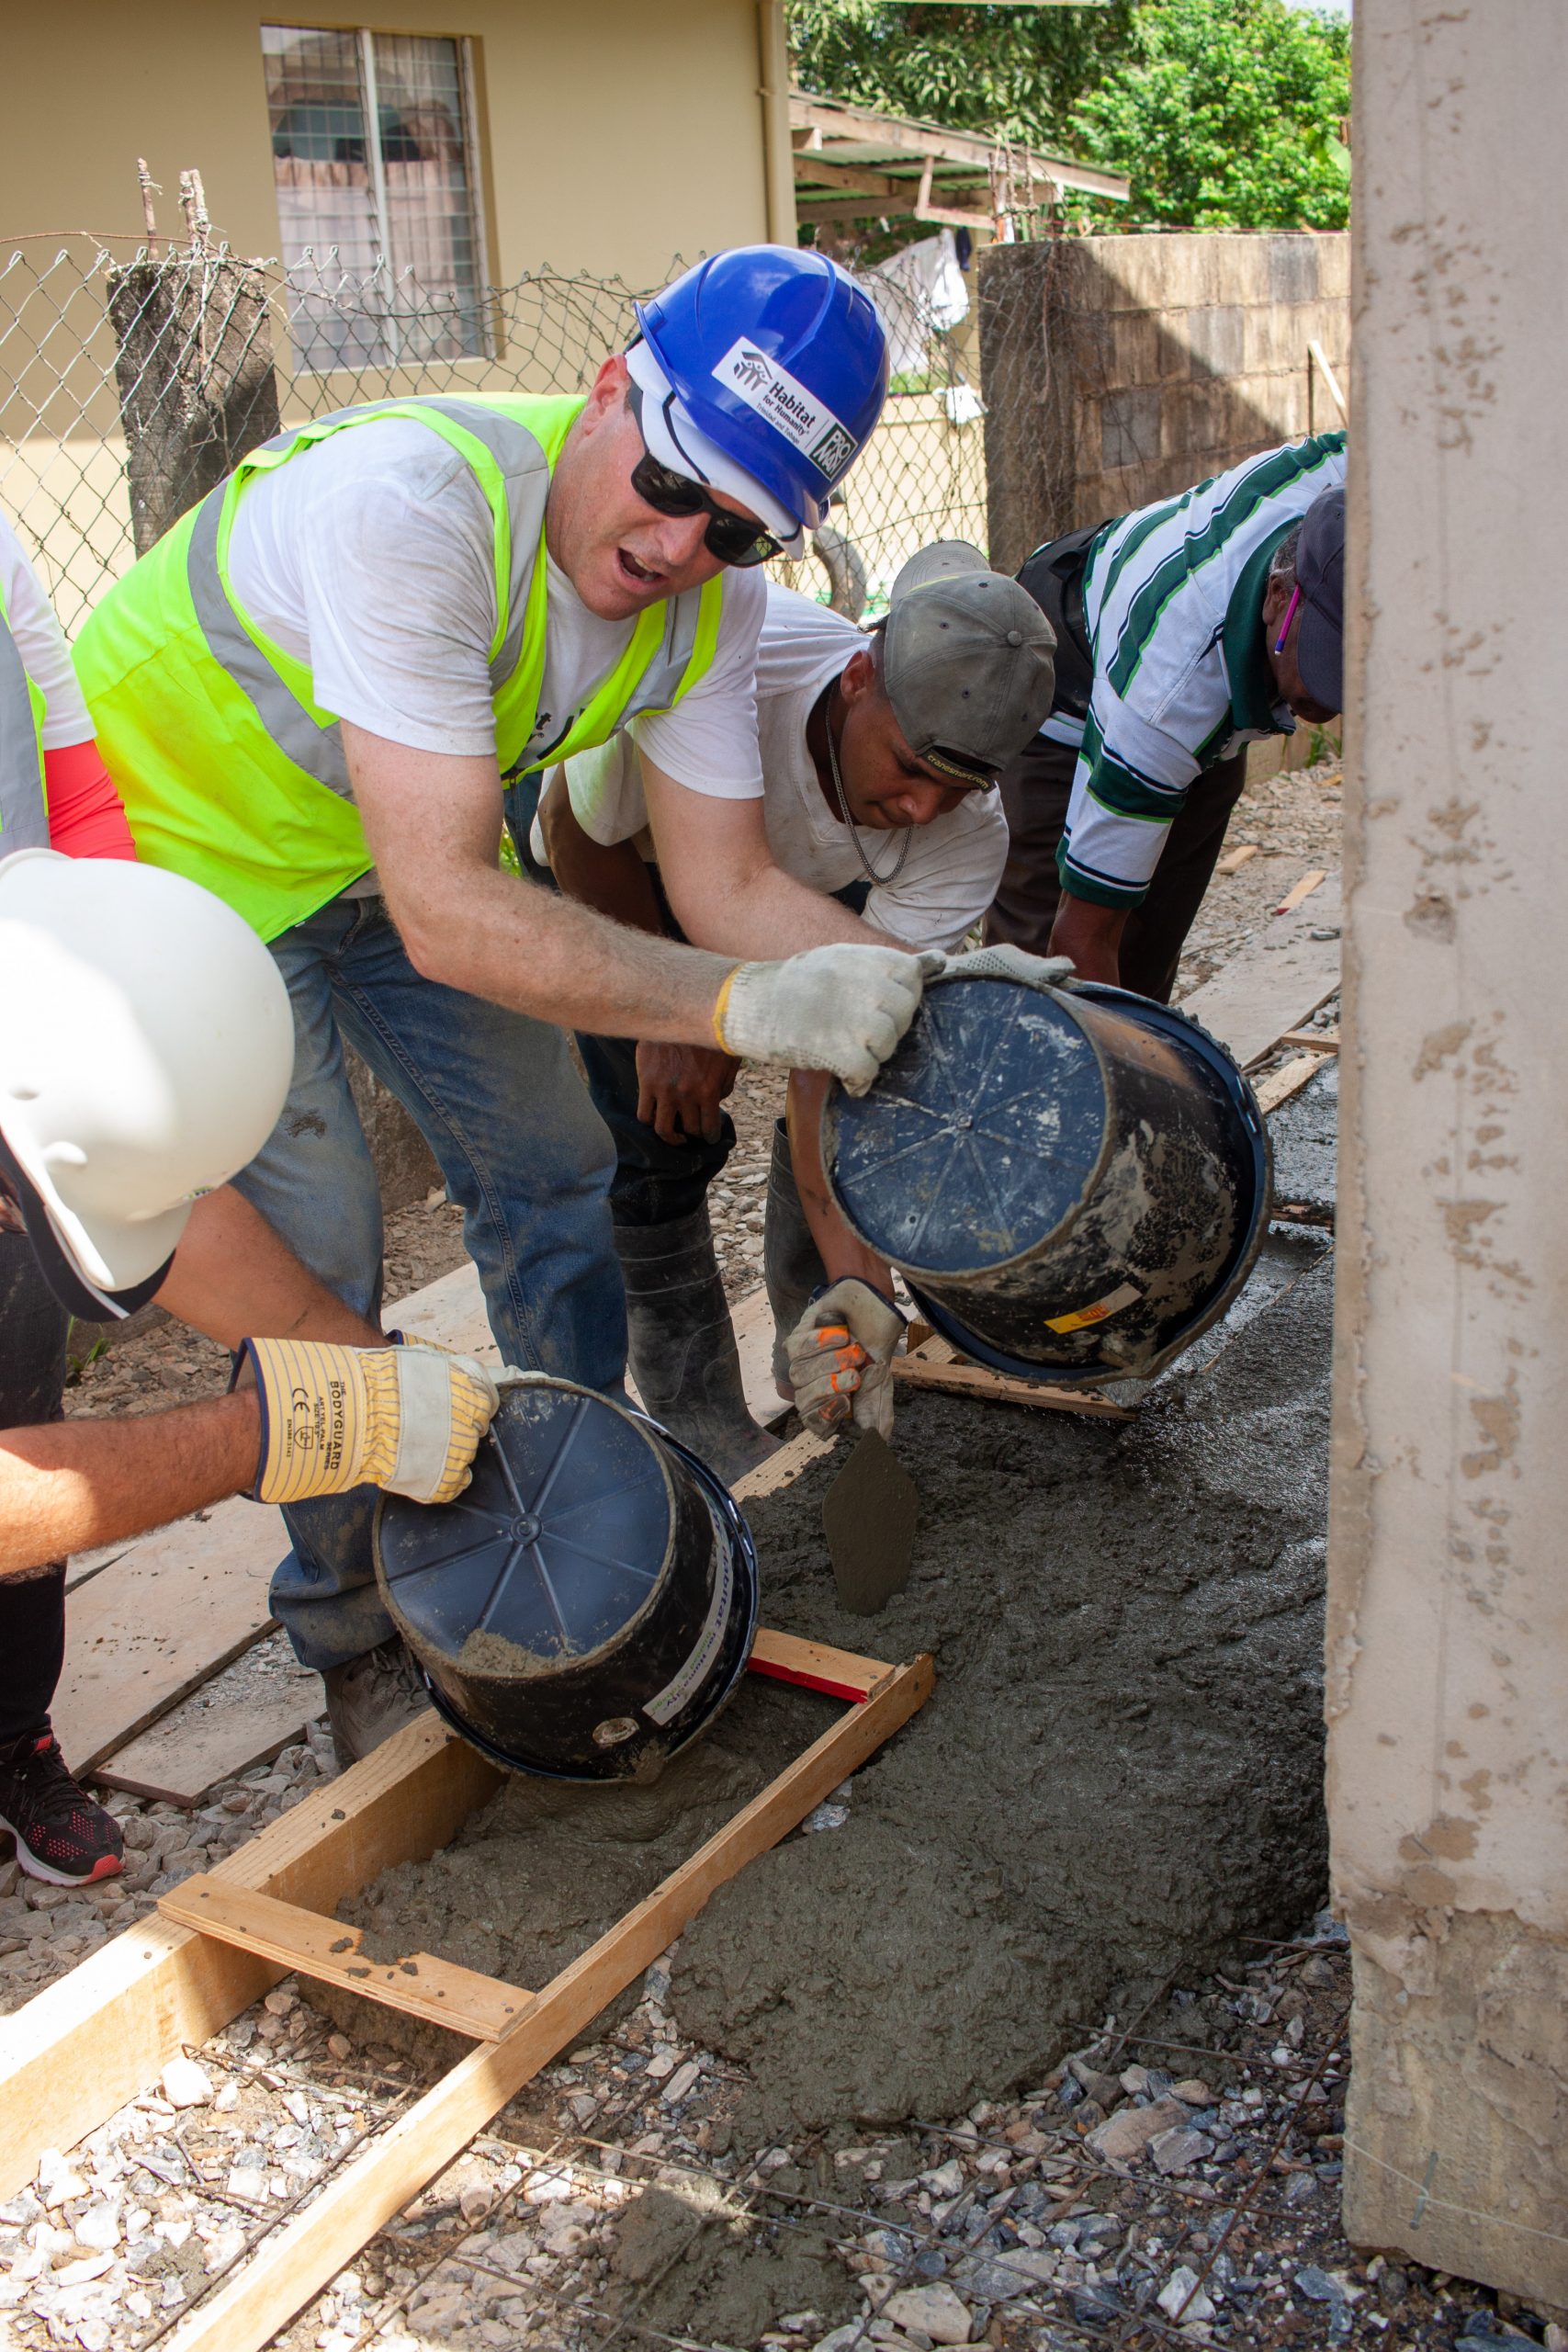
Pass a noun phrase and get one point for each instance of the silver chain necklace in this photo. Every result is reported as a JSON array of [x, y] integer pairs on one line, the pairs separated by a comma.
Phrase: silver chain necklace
[[867, 868]]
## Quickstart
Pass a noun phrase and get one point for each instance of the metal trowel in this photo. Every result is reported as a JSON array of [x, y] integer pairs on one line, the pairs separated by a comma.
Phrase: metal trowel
[[868, 1517]]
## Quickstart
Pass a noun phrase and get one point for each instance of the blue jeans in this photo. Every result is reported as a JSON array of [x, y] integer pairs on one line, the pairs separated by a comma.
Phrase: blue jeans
[[523, 1154]]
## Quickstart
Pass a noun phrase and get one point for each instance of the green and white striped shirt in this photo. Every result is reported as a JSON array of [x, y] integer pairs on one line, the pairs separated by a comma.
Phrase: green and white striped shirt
[[1173, 599]]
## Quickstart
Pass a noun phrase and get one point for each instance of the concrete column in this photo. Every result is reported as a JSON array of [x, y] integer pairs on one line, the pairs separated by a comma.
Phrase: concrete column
[[1449, 1569]]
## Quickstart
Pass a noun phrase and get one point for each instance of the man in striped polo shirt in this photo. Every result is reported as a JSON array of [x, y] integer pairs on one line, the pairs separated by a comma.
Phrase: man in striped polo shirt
[[1184, 631]]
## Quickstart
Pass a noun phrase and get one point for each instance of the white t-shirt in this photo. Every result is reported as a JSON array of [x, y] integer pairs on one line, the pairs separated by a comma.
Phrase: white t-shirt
[[950, 875], [41, 641], [372, 558]]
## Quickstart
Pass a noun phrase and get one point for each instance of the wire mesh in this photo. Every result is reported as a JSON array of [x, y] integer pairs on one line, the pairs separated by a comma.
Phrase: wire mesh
[[191, 364]]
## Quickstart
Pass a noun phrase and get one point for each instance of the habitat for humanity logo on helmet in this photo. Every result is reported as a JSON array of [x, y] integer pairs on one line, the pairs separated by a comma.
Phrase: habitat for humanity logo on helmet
[[785, 404]]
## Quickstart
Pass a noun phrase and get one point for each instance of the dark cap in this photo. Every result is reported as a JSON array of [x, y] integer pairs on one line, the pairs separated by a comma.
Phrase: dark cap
[[1320, 576], [968, 662]]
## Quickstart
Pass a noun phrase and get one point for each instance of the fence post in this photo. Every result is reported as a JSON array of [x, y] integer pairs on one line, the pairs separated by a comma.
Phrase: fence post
[[194, 369]]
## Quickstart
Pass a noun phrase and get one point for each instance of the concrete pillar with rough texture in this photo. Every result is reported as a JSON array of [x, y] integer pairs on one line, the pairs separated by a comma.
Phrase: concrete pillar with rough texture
[[1448, 1571]]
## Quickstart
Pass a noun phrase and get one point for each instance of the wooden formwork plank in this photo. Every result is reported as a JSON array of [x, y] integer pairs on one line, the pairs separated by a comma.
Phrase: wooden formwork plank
[[99, 2036], [436, 1990], [1288, 1079], [368, 2192], [963, 1379], [839, 1674]]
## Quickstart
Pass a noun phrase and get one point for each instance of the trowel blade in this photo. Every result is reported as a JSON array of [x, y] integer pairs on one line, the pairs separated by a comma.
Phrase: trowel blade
[[868, 1517]]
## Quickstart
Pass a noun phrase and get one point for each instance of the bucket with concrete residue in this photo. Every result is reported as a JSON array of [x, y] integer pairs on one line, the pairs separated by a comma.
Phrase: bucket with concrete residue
[[1073, 1181], [587, 1606]]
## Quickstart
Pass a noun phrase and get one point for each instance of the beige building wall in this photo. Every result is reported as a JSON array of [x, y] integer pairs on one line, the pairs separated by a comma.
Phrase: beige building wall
[[615, 135], [1448, 1693]]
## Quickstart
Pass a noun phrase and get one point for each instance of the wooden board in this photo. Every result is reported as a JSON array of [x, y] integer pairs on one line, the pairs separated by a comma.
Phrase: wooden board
[[837, 1674], [1301, 890], [1288, 1079], [964, 1379], [435, 1990], [157, 1621], [101, 2035], [295, 2263], [1318, 1041], [1277, 981], [213, 1736]]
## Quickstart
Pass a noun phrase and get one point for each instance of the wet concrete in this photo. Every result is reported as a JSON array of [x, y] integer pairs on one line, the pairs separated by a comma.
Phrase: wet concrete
[[1305, 1133], [1120, 1773]]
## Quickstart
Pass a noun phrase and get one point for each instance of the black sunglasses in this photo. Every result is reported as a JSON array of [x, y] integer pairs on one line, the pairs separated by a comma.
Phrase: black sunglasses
[[734, 539]]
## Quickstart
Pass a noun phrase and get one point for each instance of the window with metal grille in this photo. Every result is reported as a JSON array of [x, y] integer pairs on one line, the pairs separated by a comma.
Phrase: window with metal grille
[[375, 166]]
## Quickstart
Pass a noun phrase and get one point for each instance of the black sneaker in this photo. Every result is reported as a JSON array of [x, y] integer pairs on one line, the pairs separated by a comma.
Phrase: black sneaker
[[61, 1834]]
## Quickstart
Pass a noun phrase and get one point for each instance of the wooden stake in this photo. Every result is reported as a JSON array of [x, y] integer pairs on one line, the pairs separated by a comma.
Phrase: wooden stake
[[295, 2264]]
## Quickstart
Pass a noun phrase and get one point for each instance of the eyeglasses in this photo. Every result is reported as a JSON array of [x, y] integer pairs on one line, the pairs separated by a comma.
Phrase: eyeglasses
[[734, 539]]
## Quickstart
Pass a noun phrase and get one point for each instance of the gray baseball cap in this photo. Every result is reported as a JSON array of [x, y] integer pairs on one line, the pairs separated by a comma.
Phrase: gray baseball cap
[[967, 662]]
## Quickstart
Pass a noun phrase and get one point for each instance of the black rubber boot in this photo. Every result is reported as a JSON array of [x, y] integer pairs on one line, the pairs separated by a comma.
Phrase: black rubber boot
[[681, 1345], [792, 1268]]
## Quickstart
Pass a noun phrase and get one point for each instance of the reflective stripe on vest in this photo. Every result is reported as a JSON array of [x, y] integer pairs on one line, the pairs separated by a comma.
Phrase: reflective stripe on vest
[[24, 804], [182, 683]]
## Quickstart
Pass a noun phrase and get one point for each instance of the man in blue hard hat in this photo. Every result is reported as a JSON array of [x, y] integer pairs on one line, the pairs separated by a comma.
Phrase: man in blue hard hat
[[1185, 631], [313, 696]]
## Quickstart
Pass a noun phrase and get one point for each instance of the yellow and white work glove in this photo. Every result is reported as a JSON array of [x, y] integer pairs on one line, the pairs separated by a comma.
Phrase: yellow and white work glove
[[841, 1357], [841, 1008], [1005, 962], [409, 1419]]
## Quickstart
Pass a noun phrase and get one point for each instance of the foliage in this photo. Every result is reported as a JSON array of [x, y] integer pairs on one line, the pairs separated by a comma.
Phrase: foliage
[[1007, 72], [1226, 114]]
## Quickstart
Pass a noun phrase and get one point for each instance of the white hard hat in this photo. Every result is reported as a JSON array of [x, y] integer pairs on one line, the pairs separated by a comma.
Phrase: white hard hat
[[146, 1048]]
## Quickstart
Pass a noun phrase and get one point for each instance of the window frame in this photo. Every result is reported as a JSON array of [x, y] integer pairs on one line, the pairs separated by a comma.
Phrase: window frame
[[477, 158]]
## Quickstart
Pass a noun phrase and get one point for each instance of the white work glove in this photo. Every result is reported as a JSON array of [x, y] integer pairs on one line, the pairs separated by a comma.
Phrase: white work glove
[[841, 1357], [1005, 962], [842, 1009], [409, 1419]]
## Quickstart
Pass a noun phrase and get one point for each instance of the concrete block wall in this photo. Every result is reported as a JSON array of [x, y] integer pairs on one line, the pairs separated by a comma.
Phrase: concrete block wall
[[1119, 370]]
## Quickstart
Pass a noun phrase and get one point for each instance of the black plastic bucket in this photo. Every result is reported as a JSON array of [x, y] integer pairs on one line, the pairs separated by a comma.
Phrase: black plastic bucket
[[586, 1607], [1073, 1181]]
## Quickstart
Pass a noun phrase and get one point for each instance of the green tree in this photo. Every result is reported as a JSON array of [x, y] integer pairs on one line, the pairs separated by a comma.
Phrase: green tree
[[1009, 72], [1226, 114]]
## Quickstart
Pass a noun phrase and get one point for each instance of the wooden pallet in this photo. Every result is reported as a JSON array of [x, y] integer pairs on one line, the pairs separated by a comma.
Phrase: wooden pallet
[[102, 2034]]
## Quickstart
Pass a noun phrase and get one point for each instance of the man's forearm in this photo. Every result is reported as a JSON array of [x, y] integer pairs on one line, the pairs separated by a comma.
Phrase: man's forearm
[[843, 1252], [232, 1277], [69, 1484], [1091, 935], [610, 877]]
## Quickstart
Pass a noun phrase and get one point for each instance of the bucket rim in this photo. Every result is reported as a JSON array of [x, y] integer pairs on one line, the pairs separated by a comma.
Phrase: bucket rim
[[748, 1605]]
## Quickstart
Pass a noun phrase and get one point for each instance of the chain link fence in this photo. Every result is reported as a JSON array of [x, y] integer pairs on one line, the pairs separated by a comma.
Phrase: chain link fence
[[113, 369]]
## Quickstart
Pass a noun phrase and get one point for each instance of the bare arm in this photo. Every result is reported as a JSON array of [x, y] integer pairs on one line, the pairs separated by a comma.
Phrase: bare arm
[[842, 1252], [73, 1484], [680, 1088], [1091, 935], [434, 826], [719, 877], [232, 1277], [610, 875]]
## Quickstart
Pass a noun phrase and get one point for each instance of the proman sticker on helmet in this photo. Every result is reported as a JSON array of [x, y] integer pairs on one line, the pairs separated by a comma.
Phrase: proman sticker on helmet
[[788, 406]]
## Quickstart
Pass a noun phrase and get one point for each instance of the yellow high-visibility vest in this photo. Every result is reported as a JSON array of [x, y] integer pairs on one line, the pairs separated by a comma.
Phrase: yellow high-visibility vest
[[230, 771]]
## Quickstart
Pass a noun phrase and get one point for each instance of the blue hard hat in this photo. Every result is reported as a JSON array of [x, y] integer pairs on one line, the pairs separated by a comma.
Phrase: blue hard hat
[[781, 359]]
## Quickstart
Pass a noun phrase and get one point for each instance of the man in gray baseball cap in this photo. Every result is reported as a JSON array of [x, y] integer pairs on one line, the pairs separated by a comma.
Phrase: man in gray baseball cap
[[880, 753]]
